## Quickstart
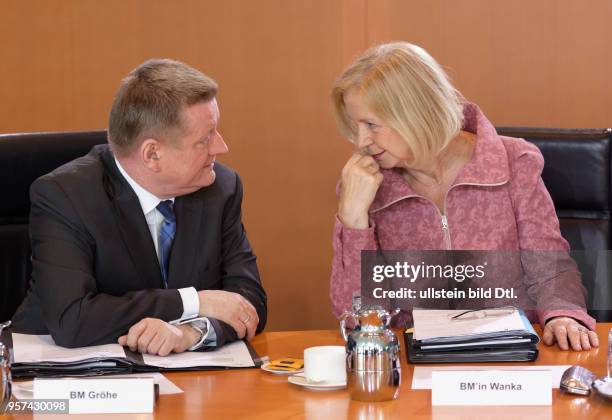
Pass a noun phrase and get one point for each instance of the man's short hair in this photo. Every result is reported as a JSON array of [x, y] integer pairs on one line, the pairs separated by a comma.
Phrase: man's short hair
[[150, 100]]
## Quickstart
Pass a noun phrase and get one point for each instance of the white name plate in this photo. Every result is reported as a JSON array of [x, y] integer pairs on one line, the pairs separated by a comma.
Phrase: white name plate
[[97, 395], [491, 387]]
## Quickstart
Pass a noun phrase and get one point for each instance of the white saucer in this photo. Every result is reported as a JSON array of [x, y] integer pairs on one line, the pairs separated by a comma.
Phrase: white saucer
[[604, 388], [280, 372], [322, 386]]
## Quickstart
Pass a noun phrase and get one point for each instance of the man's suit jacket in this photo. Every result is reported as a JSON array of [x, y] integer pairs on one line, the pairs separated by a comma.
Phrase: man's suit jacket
[[95, 272]]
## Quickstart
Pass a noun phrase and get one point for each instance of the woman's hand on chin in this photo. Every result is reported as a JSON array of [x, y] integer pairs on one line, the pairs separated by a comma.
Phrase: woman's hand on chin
[[361, 179]]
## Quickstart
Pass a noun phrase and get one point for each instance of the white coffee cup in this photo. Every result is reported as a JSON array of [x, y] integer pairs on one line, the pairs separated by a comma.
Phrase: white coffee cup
[[325, 364]]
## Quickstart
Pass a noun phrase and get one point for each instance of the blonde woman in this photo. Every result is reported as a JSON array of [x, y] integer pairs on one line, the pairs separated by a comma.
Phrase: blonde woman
[[430, 173]]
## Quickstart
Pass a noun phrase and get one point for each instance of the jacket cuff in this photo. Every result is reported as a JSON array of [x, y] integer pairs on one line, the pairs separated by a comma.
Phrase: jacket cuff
[[353, 241], [578, 315]]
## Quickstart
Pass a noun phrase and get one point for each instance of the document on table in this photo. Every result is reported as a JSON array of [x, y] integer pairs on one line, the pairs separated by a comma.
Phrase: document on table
[[421, 378], [38, 355], [235, 354], [435, 323], [41, 348]]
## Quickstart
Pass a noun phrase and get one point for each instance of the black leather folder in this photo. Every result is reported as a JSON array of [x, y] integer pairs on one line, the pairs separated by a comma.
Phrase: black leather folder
[[503, 346], [131, 363], [473, 354]]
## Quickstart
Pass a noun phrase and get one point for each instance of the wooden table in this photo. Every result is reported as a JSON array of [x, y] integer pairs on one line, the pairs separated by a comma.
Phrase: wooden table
[[258, 394], [253, 393]]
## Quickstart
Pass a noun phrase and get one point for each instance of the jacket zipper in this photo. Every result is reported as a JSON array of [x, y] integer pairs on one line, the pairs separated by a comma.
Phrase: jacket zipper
[[443, 218], [445, 232], [445, 229]]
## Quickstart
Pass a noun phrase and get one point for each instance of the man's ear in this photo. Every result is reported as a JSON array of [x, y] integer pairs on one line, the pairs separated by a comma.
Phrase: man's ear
[[150, 154]]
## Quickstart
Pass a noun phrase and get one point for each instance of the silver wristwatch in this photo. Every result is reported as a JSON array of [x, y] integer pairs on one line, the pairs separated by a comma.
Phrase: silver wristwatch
[[201, 326]]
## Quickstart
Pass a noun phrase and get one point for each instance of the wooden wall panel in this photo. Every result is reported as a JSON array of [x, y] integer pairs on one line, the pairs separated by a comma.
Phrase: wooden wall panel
[[539, 63], [526, 63], [275, 61]]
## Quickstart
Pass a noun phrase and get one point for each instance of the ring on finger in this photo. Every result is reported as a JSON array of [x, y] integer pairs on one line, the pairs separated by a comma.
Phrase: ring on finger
[[246, 320]]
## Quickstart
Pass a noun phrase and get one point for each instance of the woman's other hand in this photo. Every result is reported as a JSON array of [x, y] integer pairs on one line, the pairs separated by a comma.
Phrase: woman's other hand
[[567, 331], [361, 178]]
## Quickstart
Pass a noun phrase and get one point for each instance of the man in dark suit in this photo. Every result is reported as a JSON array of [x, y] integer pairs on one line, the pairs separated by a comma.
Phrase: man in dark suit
[[141, 241]]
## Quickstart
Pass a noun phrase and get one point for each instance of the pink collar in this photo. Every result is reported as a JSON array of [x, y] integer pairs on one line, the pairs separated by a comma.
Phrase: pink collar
[[488, 165]]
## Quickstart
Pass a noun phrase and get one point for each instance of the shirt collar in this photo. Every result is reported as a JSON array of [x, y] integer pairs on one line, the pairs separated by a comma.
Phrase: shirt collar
[[488, 165], [148, 201]]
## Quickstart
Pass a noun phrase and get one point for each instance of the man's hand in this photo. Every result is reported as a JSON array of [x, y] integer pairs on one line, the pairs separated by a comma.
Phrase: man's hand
[[154, 336], [230, 308], [564, 329], [361, 179]]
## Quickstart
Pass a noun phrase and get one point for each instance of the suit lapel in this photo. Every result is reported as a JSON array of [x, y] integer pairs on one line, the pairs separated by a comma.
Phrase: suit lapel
[[189, 211], [133, 226]]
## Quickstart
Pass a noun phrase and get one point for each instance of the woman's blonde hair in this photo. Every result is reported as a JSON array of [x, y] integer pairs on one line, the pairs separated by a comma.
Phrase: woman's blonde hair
[[406, 88]]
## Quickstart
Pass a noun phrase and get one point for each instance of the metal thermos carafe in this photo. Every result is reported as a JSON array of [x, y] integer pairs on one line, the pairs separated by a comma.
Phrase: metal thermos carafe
[[372, 354]]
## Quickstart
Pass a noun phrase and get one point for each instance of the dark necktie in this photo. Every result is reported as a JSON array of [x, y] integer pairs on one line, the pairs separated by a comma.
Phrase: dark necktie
[[166, 237]]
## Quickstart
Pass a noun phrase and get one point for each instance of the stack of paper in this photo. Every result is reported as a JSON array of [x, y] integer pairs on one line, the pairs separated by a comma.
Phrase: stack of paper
[[459, 336], [39, 356]]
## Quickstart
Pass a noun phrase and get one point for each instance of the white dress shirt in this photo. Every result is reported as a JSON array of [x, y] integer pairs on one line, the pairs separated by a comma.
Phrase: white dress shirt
[[189, 295]]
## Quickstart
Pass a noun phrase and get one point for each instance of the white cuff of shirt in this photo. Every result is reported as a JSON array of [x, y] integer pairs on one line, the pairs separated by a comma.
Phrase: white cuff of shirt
[[191, 303]]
